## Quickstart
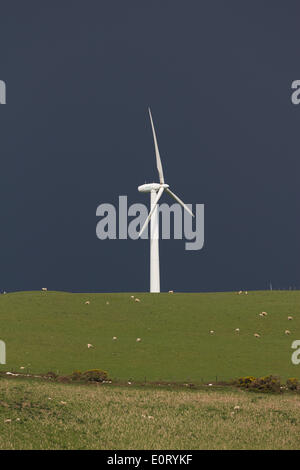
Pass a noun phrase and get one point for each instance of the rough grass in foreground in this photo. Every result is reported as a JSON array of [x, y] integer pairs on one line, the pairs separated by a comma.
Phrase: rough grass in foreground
[[45, 415]]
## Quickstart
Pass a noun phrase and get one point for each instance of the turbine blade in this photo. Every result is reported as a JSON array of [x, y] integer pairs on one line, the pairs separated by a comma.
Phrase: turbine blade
[[179, 201], [161, 190], [158, 160]]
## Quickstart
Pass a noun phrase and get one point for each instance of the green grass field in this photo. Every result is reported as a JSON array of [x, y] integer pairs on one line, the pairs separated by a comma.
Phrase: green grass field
[[49, 331], [43, 415]]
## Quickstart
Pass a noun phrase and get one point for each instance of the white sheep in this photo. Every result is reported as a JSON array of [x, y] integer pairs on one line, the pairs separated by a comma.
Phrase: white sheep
[[137, 300], [237, 330], [114, 338], [138, 340], [212, 332], [87, 302], [171, 292], [89, 346], [256, 335], [287, 332], [44, 289], [290, 318]]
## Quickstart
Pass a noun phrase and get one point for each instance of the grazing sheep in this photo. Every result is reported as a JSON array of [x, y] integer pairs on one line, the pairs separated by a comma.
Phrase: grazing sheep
[[87, 302], [107, 303], [138, 340], [114, 338], [132, 296], [137, 300], [90, 345], [264, 314], [237, 330], [212, 332], [246, 292], [171, 292], [256, 335], [287, 332], [44, 289], [261, 314], [240, 292], [290, 318]]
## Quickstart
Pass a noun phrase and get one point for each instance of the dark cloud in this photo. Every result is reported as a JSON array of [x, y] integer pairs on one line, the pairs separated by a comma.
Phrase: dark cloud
[[75, 133]]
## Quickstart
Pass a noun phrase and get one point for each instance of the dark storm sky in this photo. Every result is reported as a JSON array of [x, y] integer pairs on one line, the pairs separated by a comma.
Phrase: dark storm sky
[[75, 133]]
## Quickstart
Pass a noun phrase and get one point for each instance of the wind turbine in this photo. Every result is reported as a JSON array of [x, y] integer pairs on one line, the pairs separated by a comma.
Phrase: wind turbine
[[156, 190]]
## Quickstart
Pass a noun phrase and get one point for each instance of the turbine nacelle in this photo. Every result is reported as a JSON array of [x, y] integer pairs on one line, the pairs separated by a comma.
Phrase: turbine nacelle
[[148, 187]]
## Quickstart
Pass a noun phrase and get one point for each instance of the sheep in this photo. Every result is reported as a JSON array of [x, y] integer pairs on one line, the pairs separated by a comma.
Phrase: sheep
[[171, 292], [287, 332], [290, 318], [44, 289], [246, 292], [107, 303], [264, 314], [261, 314], [132, 296], [256, 335], [114, 338], [89, 346], [87, 302], [137, 300], [138, 340], [237, 330], [212, 332], [240, 292]]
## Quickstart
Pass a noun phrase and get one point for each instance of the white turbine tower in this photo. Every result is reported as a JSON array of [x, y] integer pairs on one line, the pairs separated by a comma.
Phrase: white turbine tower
[[156, 190]]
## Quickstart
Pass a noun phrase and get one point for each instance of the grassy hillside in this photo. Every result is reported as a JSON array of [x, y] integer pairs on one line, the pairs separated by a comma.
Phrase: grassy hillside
[[42, 415], [47, 331]]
